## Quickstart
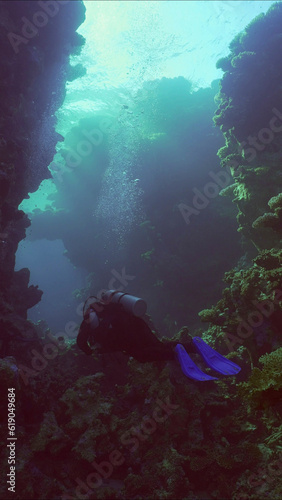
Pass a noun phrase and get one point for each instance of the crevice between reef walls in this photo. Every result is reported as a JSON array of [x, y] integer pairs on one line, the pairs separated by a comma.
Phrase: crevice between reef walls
[[36, 39]]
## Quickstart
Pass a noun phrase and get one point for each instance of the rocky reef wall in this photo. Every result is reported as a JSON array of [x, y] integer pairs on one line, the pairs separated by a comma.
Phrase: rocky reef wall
[[250, 117], [36, 41]]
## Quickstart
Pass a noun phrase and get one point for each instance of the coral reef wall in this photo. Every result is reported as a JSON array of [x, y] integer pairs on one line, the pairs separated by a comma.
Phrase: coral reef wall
[[250, 116], [36, 41]]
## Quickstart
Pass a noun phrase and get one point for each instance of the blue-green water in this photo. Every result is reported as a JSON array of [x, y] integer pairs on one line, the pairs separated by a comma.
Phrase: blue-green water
[[143, 99]]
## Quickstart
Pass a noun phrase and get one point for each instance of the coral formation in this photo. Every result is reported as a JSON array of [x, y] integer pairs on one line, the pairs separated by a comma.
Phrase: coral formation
[[32, 88], [250, 310], [249, 116], [264, 386], [271, 220]]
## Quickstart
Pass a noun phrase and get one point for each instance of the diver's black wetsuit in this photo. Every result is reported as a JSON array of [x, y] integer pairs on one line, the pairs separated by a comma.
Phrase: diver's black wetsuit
[[120, 331]]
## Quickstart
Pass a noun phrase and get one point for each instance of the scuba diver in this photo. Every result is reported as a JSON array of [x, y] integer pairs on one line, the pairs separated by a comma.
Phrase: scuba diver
[[115, 324]]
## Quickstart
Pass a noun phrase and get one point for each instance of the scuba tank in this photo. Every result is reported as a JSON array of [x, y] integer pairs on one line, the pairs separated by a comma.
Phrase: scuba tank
[[133, 305], [95, 314]]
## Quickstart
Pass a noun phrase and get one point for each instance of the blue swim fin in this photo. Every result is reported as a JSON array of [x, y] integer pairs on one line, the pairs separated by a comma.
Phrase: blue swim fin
[[215, 360], [188, 366]]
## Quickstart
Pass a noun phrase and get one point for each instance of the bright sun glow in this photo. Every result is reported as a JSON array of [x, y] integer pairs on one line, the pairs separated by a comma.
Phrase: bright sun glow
[[132, 41]]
